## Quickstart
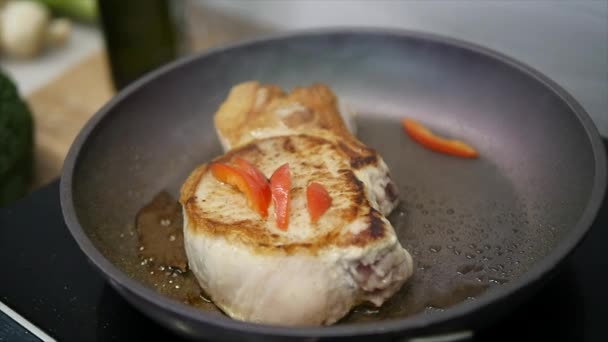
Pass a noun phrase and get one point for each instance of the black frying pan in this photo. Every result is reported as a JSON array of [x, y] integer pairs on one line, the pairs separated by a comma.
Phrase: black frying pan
[[505, 221]]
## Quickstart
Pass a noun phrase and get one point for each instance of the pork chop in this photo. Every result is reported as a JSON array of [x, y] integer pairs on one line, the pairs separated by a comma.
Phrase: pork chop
[[310, 274]]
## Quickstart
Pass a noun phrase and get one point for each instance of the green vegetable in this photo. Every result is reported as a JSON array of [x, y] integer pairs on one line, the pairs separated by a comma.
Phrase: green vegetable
[[81, 10], [16, 143]]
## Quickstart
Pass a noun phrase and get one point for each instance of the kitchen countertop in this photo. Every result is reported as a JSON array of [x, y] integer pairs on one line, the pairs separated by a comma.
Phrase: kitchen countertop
[[32, 75]]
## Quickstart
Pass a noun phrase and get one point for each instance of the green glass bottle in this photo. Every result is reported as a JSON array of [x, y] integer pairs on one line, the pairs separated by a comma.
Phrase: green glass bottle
[[140, 35]]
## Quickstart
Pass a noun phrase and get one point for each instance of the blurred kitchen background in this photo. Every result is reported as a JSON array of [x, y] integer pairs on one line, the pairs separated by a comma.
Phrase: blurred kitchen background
[[66, 69]]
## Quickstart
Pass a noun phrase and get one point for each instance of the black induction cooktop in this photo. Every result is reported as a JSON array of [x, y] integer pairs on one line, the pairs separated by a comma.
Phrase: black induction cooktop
[[47, 280]]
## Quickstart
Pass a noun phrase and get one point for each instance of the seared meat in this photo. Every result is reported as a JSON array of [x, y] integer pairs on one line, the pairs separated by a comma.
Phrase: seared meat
[[312, 273]]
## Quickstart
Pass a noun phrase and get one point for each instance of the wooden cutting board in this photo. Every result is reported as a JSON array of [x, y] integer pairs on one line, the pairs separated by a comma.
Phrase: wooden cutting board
[[60, 110]]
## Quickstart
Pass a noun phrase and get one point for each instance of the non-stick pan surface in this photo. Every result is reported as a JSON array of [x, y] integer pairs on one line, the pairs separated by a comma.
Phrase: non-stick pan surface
[[489, 229]]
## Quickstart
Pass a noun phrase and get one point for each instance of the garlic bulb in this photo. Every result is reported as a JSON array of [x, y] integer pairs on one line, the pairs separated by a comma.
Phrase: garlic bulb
[[23, 28]]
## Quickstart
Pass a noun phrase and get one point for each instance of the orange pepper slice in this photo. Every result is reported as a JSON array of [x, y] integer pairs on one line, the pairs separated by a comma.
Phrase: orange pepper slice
[[318, 200], [257, 175], [280, 184], [428, 139], [253, 190]]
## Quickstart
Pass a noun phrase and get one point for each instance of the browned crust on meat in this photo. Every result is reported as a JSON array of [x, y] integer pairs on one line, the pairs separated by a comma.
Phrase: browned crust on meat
[[288, 145], [359, 198], [255, 234], [188, 189], [375, 231], [391, 190], [361, 157]]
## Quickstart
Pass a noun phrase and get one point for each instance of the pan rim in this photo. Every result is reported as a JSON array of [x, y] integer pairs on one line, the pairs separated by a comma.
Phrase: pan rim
[[414, 323]]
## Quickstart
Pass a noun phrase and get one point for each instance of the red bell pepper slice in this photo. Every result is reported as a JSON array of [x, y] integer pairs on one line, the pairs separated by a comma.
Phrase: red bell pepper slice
[[428, 139], [280, 184], [257, 175], [254, 190], [318, 200]]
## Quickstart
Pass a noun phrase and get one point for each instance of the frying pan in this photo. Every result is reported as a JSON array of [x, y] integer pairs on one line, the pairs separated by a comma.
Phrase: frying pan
[[506, 220]]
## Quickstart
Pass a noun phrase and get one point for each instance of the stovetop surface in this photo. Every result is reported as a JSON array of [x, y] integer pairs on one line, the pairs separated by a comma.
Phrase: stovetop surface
[[48, 280]]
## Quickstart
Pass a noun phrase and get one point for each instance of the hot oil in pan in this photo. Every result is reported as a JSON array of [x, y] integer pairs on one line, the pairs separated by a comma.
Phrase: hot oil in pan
[[160, 248]]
